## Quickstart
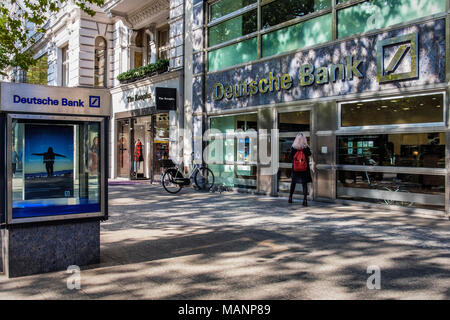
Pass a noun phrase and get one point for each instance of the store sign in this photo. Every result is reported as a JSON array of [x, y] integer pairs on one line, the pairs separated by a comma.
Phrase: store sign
[[139, 97], [308, 76], [22, 97], [392, 53], [166, 98], [64, 102]]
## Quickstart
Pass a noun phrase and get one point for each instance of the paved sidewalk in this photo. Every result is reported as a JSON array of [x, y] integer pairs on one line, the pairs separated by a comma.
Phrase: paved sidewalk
[[235, 246]]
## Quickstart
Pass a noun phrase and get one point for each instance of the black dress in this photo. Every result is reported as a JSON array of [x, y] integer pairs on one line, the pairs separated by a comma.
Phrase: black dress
[[303, 176]]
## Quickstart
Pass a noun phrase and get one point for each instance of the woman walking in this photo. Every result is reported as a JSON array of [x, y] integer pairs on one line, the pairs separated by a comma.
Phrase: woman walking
[[300, 153]]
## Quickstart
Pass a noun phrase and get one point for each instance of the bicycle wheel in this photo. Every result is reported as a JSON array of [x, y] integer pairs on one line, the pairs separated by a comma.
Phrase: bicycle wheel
[[167, 180], [204, 179]]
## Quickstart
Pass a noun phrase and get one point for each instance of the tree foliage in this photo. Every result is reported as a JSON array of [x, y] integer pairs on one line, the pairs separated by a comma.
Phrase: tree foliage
[[21, 21]]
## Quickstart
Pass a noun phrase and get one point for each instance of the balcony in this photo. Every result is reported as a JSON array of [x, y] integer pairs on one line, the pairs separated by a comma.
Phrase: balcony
[[137, 13]]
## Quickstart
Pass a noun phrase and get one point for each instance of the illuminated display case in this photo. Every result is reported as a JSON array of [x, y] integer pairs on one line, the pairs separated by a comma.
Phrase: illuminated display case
[[55, 153]]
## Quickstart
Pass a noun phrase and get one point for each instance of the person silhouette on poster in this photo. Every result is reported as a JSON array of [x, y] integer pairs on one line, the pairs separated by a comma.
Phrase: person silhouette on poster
[[49, 159]]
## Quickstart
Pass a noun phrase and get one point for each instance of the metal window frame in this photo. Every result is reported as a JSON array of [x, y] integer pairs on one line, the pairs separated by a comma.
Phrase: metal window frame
[[102, 163]]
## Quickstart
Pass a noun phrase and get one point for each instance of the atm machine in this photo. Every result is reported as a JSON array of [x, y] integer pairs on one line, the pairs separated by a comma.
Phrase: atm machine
[[53, 149]]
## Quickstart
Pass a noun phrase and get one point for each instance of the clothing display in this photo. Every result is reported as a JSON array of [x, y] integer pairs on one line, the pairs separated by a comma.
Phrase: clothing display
[[138, 155]]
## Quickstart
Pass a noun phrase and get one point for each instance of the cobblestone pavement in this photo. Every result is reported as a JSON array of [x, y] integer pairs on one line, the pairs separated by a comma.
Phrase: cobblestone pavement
[[237, 246]]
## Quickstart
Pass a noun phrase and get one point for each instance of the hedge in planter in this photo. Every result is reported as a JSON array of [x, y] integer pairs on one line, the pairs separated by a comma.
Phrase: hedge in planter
[[148, 70]]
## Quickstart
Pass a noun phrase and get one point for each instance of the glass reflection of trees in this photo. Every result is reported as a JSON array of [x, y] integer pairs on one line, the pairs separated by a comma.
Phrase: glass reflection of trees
[[284, 10]]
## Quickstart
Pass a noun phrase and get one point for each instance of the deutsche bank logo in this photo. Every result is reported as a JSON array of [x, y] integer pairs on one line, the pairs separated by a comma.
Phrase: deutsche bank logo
[[94, 101], [397, 58]]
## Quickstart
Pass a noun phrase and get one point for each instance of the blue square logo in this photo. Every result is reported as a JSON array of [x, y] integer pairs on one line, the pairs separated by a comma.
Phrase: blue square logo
[[94, 101]]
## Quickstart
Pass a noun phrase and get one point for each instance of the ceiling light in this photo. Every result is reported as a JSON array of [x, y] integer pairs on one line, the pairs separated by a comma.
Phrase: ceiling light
[[384, 107]]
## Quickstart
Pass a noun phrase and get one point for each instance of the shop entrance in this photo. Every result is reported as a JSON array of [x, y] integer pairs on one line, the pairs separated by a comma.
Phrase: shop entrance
[[123, 146], [290, 123], [143, 147]]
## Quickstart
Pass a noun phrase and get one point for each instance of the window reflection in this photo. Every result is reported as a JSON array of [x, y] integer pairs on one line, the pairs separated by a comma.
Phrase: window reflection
[[235, 151], [409, 190], [426, 150], [408, 110], [284, 10]]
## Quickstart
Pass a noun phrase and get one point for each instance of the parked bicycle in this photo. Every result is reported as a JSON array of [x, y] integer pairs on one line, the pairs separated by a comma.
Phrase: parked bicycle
[[173, 179]]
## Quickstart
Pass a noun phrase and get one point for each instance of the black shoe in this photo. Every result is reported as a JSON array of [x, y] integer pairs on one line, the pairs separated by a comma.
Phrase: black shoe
[[305, 203], [290, 200]]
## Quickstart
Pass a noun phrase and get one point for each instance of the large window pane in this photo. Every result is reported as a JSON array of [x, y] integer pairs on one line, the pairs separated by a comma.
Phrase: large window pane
[[233, 28], [284, 10], [308, 33], [295, 122], [377, 14], [233, 54], [408, 190], [232, 154], [225, 7], [55, 168], [37, 74], [100, 62], [426, 150], [408, 110]]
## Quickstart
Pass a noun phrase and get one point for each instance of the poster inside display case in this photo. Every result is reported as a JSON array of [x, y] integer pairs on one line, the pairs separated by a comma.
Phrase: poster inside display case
[[55, 168]]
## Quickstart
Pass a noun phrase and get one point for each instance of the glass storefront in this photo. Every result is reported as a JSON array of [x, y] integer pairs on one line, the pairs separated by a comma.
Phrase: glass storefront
[[423, 150], [419, 109], [388, 166], [401, 189], [160, 157], [55, 168], [143, 147], [233, 150], [123, 148]]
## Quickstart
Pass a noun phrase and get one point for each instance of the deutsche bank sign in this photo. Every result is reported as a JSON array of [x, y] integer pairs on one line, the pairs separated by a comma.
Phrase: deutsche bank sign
[[48, 99]]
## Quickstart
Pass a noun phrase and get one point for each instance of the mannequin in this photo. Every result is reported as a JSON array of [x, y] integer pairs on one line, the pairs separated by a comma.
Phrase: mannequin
[[138, 155]]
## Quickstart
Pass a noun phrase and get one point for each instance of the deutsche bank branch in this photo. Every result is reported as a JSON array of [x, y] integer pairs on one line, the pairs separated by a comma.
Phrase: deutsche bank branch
[[53, 178]]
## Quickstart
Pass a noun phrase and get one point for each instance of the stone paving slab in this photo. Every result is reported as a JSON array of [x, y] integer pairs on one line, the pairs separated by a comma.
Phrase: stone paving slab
[[198, 245]]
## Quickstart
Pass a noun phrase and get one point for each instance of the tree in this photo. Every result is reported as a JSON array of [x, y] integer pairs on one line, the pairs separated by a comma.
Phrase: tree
[[20, 20]]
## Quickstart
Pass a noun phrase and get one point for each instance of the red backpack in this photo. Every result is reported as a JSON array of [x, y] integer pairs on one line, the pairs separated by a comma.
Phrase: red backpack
[[300, 164]]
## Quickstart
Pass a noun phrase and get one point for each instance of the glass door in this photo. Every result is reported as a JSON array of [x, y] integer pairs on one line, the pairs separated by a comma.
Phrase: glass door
[[123, 148], [161, 159], [289, 125], [141, 147]]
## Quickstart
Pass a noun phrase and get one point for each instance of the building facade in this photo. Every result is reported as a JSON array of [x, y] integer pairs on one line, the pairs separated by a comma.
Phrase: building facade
[[134, 48], [365, 81]]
